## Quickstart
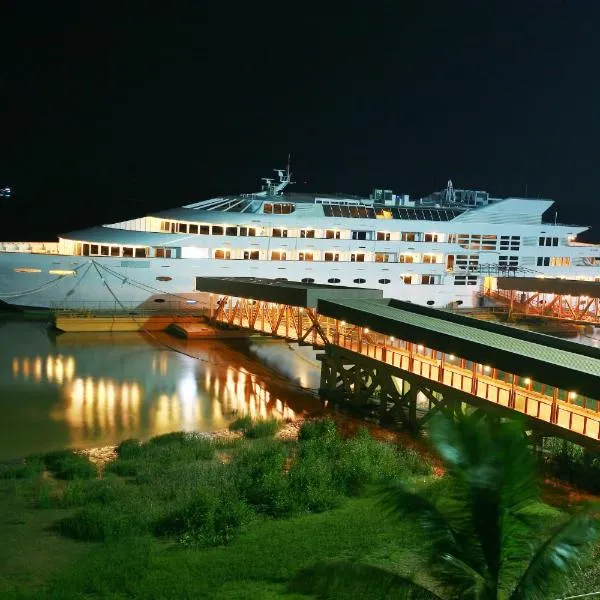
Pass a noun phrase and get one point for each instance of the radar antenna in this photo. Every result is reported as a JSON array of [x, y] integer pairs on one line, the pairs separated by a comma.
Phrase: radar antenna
[[449, 193]]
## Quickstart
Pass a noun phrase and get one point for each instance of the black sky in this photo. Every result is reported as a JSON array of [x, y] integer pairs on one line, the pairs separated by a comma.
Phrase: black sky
[[109, 111]]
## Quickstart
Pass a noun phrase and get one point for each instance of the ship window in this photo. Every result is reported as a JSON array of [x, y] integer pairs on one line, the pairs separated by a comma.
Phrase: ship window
[[163, 253], [243, 231], [385, 281], [165, 226], [163, 278], [104, 250], [407, 279], [61, 272], [278, 255], [280, 233], [127, 251], [268, 209], [430, 258], [115, 251], [280, 279], [332, 257], [183, 228], [251, 254], [428, 279], [86, 250], [333, 280], [408, 236], [430, 302], [94, 249], [204, 229], [223, 254], [406, 258], [193, 228], [384, 257], [308, 280], [305, 256], [360, 280], [251, 232], [217, 230], [140, 252], [383, 235], [159, 300], [357, 257], [27, 270], [307, 233], [331, 234], [231, 231], [431, 237], [359, 235]]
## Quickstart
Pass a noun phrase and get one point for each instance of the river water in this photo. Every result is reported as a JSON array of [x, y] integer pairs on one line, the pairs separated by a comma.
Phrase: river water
[[83, 390]]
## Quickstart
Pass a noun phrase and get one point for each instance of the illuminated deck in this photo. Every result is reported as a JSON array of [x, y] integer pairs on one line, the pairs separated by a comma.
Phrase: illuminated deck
[[552, 382]]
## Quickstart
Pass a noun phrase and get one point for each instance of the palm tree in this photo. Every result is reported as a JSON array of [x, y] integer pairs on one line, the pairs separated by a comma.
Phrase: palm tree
[[486, 536]]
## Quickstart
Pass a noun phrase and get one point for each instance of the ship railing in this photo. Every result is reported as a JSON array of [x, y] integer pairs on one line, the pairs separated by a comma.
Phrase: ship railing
[[30, 247], [132, 309]]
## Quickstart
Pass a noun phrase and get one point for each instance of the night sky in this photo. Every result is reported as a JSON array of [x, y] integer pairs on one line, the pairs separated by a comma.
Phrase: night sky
[[110, 112]]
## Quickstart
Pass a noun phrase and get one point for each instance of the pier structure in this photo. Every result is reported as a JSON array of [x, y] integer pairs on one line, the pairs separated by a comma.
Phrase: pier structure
[[406, 362], [571, 300]]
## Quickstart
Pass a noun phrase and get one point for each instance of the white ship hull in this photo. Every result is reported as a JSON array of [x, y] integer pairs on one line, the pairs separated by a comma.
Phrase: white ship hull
[[101, 283]]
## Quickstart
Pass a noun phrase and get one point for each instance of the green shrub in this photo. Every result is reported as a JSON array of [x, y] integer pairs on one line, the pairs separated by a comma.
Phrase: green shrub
[[102, 491], [241, 423], [312, 482], [129, 448], [412, 463], [263, 428], [208, 520], [323, 430], [363, 461], [66, 464], [24, 469], [97, 523], [258, 470], [128, 467]]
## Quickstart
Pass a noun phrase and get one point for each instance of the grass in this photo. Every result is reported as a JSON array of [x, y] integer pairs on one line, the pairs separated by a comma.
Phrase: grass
[[181, 516]]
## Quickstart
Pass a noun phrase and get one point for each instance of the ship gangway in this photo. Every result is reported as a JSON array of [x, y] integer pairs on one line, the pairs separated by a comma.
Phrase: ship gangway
[[407, 362], [573, 300]]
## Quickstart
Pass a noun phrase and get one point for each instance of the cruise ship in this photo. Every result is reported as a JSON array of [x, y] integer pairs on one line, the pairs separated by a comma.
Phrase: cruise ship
[[439, 250]]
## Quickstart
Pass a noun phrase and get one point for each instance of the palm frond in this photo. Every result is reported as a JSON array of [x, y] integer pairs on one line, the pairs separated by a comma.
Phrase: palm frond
[[557, 556], [342, 579]]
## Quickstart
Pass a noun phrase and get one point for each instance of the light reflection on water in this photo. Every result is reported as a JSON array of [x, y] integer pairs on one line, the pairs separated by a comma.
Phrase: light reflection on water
[[83, 390]]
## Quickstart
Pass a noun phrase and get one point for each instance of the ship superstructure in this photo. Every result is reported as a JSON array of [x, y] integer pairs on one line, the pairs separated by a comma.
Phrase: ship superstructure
[[437, 250]]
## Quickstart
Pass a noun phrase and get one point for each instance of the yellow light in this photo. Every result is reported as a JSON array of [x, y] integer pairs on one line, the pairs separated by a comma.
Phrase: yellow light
[[487, 368], [527, 381], [392, 338], [572, 395], [61, 272], [451, 357], [366, 330], [342, 323], [420, 347]]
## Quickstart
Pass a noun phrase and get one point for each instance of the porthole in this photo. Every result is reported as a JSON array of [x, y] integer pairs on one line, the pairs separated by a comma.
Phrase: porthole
[[459, 302], [308, 280], [385, 281], [159, 299], [430, 302], [280, 279], [163, 278], [333, 280], [359, 280]]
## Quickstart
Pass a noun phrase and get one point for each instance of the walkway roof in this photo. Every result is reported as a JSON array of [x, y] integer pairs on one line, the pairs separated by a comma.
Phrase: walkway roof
[[294, 293], [546, 285], [544, 358]]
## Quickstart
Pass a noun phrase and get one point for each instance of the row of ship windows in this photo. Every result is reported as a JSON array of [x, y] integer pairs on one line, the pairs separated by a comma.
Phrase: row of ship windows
[[466, 240], [280, 232], [309, 256]]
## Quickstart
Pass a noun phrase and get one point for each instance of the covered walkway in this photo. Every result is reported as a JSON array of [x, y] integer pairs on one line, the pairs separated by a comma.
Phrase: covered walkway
[[416, 360]]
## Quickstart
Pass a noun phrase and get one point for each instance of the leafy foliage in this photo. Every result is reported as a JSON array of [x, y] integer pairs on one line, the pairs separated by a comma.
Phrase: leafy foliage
[[486, 539]]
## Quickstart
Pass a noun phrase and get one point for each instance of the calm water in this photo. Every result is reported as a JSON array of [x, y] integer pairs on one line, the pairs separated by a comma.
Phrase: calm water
[[83, 390]]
